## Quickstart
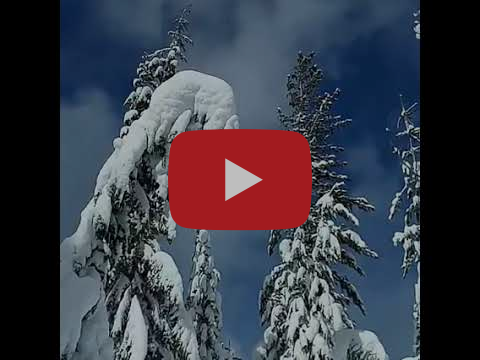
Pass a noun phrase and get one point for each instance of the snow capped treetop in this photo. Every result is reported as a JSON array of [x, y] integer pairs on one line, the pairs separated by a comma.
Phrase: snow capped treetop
[[158, 67]]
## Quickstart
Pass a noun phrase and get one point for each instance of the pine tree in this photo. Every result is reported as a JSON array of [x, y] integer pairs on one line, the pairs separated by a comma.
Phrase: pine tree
[[206, 303], [114, 240], [144, 297], [120, 229], [154, 69], [408, 152], [305, 299]]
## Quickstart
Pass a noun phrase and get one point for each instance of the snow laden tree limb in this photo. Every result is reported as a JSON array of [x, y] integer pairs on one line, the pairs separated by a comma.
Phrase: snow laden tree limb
[[353, 344], [304, 302], [407, 200]]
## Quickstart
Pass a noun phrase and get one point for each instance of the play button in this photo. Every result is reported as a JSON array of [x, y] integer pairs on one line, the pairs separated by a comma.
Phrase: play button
[[240, 179], [237, 179]]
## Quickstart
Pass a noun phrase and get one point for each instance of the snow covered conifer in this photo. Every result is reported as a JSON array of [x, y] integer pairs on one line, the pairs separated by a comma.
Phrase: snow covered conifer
[[304, 300], [157, 67], [153, 70], [408, 199], [115, 243], [206, 303], [142, 218]]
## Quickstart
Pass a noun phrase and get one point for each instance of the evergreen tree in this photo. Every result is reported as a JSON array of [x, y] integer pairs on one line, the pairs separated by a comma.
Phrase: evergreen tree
[[114, 248], [206, 303], [144, 295], [154, 69], [305, 299], [408, 152]]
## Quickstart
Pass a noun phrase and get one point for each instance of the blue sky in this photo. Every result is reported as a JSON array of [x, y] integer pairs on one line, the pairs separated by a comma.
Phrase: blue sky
[[367, 48]]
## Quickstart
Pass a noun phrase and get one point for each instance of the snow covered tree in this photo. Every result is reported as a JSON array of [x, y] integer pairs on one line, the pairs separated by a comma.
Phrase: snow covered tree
[[408, 152], [206, 303], [304, 300], [407, 200], [134, 273], [416, 24], [115, 246], [133, 289], [153, 70]]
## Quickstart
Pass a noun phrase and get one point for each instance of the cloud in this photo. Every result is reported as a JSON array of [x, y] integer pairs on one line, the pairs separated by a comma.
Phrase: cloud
[[127, 20], [252, 44], [261, 50], [86, 122], [371, 177]]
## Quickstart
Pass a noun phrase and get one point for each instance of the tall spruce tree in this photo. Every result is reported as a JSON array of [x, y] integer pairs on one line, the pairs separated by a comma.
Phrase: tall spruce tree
[[407, 150], [305, 298], [144, 305], [154, 69], [205, 301], [408, 199]]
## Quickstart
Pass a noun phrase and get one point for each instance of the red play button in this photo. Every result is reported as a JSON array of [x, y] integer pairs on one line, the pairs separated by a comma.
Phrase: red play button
[[240, 179]]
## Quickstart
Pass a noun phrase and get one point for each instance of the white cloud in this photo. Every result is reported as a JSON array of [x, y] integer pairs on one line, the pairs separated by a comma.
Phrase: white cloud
[[127, 20], [265, 39], [371, 178], [252, 44]]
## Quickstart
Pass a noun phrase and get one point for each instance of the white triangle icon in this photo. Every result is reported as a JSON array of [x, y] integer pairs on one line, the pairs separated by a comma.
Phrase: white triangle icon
[[237, 179]]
